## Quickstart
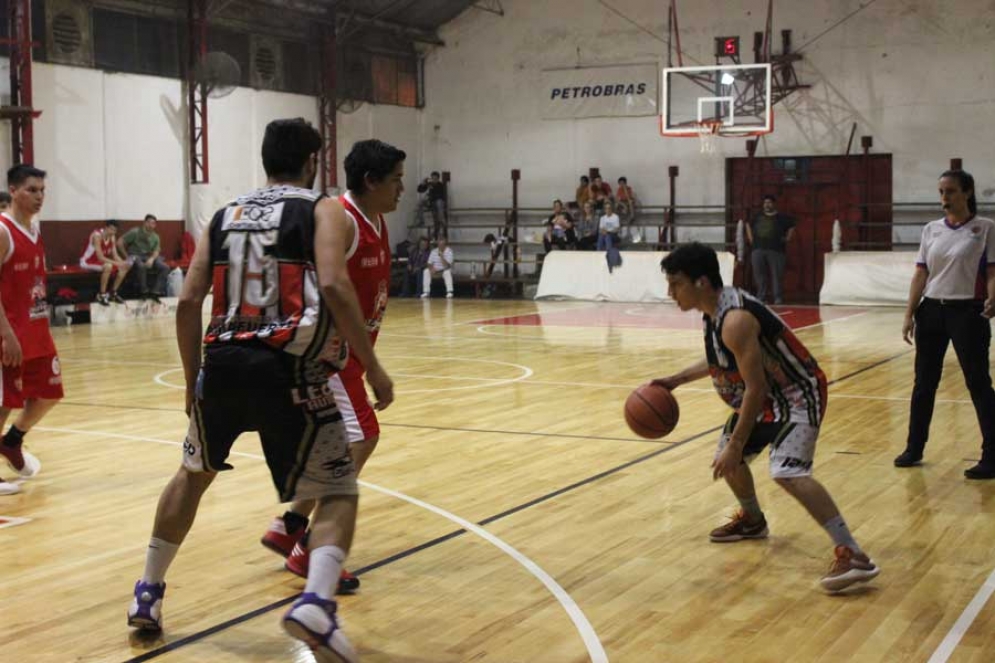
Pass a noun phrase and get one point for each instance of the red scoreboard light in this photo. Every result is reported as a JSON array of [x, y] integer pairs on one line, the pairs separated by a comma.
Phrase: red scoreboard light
[[727, 47]]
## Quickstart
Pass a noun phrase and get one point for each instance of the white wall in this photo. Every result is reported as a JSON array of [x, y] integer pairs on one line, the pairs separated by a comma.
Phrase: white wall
[[914, 74]]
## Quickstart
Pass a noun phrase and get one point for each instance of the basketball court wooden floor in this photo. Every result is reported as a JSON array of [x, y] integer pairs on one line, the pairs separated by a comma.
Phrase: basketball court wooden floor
[[509, 515]]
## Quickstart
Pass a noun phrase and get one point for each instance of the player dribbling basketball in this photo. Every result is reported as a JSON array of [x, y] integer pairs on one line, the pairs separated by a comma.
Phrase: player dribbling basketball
[[779, 395]]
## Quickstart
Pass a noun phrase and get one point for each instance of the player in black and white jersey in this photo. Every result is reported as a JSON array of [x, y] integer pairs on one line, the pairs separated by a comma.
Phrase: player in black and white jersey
[[285, 316], [778, 394]]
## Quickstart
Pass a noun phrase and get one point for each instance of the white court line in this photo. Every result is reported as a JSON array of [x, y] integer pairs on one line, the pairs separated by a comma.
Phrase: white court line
[[587, 633], [964, 622], [826, 322], [159, 378]]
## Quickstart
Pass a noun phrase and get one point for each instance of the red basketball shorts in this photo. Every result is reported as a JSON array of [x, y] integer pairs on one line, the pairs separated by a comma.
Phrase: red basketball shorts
[[350, 396], [40, 377]]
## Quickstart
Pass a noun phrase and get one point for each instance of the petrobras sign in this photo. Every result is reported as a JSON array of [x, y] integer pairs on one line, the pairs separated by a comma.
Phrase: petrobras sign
[[618, 91]]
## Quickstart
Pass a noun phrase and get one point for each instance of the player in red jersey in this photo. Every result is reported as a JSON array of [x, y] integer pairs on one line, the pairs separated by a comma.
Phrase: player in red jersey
[[101, 255], [32, 377], [374, 171]]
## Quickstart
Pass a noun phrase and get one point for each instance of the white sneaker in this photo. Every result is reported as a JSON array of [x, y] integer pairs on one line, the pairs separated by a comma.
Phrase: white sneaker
[[313, 621], [424, 295], [449, 295], [32, 465], [7, 488]]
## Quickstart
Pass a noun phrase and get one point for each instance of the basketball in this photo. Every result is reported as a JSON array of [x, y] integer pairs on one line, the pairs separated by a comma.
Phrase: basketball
[[651, 411]]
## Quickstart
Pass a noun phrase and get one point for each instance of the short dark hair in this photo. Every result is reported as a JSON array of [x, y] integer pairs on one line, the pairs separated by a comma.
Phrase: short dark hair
[[370, 157], [622, 180], [966, 181], [287, 145], [5, 198], [694, 260], [489, 237], [21, 172], [150, 216], [112, 222], [771, 197], [435, 173], [585, 178]]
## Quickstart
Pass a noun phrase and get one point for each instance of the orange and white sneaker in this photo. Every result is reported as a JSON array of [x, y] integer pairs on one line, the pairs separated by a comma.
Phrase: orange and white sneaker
[[848, 568], [739, 528]]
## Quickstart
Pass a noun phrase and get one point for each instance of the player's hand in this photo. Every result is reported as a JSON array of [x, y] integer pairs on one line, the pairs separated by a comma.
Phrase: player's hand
[[989, 310], [11, 348], [909, 328], [669, 383], [725, 463], [382, 385], [149, 263]]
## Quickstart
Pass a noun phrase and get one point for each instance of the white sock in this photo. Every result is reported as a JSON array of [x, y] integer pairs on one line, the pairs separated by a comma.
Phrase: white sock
[[324, 567], [157, 560], [837, 529]]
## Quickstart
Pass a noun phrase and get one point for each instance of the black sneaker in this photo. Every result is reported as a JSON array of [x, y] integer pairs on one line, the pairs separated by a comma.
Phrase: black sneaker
[[155, 298], [116, 298], [982, 470], [102, 300], [908, 459]]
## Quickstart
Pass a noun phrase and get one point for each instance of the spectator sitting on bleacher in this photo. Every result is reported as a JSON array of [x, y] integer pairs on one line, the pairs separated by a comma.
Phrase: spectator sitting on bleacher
[[440, 264], [435, 200], [587, 228], [608, 228], [583, 191], [417, 260], [101, 255], [5, 201], [559, 229], [600, 193], [141, 246], [627, 195]]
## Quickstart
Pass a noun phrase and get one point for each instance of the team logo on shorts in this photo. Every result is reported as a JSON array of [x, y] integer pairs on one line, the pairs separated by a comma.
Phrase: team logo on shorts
[[56, 366]]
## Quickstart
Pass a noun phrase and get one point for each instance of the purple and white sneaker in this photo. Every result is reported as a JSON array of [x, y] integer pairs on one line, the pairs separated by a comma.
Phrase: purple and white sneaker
[[145, 612], [312, 620]]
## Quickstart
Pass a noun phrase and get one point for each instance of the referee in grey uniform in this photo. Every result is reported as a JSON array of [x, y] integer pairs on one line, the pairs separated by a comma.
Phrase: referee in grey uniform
[[952, 298]]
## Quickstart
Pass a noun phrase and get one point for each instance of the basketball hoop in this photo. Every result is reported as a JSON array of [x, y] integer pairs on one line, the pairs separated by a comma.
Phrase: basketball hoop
[[708, 133]]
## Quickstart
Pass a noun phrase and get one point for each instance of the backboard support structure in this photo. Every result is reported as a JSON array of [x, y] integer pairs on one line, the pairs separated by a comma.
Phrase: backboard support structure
[[736, 99]]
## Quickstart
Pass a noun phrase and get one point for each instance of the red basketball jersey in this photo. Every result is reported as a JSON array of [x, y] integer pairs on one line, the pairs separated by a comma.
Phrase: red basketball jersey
[[89, 256], [369, 265], [22, 289]]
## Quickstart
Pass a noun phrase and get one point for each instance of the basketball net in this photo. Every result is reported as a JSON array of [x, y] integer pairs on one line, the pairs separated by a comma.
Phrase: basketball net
[[708, 132]]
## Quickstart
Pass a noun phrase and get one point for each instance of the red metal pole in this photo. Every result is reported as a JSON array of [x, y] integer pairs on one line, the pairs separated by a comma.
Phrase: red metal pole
[[197, 92], [326, 111], [22, 119]]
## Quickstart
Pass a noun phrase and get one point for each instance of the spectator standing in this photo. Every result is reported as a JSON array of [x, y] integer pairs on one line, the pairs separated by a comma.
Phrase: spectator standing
[[142, 247], [768, 234], [101, 255], [435, 200], [440, 265]]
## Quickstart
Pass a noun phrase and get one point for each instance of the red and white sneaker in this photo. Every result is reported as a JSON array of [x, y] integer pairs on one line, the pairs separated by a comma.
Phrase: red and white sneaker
[[279, 540], [297, 563], [20, 460]]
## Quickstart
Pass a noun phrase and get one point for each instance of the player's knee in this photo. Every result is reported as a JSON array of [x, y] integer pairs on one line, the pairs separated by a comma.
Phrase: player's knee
[[107, 267]]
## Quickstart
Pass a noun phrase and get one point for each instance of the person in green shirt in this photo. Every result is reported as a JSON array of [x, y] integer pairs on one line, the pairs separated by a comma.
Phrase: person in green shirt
[[768, 235], [141, 246]]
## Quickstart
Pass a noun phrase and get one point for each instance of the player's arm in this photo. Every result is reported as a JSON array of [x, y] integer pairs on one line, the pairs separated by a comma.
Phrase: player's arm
[[694, 372], [749, 232], [189, 322], [11, 350], [333, 235], [916, 289], [740, 333], [99, 250]]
